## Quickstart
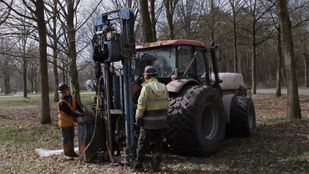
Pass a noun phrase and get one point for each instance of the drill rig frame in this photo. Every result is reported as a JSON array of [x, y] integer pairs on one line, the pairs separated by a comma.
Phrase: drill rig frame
[[113, 43]]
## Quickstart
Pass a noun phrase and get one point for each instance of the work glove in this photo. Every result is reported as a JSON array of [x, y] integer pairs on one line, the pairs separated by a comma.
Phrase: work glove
[[140, 122]]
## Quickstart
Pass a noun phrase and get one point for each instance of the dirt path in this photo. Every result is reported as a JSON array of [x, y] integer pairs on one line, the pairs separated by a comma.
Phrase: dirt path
[[301, 91]]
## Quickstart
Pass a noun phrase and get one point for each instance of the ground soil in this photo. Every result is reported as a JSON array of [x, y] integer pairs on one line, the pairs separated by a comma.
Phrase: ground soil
[[280, 145]]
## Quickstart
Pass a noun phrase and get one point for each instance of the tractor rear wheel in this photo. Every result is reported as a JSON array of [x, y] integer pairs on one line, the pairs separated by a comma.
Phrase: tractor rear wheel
[[242, 117], [196, 122]]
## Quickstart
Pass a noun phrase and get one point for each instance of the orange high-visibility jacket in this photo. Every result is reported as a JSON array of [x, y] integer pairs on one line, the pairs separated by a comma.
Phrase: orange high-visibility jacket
[[65, 120]]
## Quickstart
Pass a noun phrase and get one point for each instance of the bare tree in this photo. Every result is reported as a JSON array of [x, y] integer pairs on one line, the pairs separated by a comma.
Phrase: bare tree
[[236, 6], [54, 35], [153, 19], [116, 4], [5, 64], [146, 21], [37, 8], [22, 25], [306, 62], [256, 9], [40, 19], [72, 48], [5, 13], [24, 61], [294, 111], [33, 72], [279, 64], [170, 7], [212, 20], [299, 16], [188, 18], [277, 36], [70, 23]]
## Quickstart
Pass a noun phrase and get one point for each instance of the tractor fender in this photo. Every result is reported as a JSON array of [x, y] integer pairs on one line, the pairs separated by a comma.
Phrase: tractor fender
[[176, 85], [227, 101]]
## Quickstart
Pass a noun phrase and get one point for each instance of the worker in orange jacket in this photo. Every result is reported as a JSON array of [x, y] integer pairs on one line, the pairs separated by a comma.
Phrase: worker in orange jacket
[[68, 112]]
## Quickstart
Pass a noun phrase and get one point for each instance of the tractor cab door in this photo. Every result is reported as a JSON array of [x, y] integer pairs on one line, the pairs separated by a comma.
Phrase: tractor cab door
[[192, 63]]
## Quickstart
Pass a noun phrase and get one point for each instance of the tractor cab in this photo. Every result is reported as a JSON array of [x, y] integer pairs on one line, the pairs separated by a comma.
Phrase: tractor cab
[[173, 58]]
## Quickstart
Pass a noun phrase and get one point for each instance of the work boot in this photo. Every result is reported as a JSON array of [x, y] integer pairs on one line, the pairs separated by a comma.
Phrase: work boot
[[72, 152], [155, 163], [67, 152]]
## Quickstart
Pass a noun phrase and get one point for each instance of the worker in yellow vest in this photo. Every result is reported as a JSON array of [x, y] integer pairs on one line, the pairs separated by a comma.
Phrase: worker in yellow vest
[[151, 117], [68, 112]]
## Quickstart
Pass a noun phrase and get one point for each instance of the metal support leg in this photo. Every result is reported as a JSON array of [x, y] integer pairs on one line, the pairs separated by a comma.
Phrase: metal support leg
[[107, 110], [129, 119]]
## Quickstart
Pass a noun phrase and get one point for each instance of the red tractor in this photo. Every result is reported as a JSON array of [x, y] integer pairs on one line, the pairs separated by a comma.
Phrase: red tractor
[[204, 105]]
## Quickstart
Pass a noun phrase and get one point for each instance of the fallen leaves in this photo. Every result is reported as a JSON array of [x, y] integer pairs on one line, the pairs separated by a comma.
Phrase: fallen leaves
[[280, 146]]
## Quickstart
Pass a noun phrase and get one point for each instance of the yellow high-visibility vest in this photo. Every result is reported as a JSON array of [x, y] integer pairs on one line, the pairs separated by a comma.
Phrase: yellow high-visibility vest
[[153, 104]]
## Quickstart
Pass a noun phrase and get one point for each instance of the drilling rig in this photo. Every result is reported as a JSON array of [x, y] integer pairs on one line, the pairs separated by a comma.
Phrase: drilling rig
[[113, 44], [205, 105]]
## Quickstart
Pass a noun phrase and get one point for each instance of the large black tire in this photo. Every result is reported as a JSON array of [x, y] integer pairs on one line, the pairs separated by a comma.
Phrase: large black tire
[[242, 117], [196, 122]]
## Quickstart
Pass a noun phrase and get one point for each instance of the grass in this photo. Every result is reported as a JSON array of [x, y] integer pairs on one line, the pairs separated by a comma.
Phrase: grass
[[13, 101], [31, 100], [280, 146]]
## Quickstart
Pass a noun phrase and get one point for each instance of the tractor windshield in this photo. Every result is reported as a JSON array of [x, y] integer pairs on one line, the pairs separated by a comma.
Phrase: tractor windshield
[[163, 58]]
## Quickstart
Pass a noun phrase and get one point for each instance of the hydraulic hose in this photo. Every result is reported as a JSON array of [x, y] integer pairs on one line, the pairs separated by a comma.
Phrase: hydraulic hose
[[96, 118]]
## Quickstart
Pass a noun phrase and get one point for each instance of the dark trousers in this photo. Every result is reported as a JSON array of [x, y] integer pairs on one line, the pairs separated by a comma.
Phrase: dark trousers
[[146, 137], [67, 135]]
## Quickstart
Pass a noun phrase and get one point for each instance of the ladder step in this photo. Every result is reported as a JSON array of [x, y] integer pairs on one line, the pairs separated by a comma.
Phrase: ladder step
[[116, 112]]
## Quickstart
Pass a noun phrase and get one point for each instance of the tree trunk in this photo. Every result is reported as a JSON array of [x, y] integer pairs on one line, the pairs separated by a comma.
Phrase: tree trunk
[[64, 71], [72, 50], [146, 22], [7, 86], [279, 65], [36, 83], [64, 79], [253, 63], [44, 112], [170, 24], [153, 19], [235, 43], [55, 71], [294, 111], [212, 22], [55, 51], [25, 90], [169, 10], [306, 65], [24, 42], [34, 79], [32, 85]]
